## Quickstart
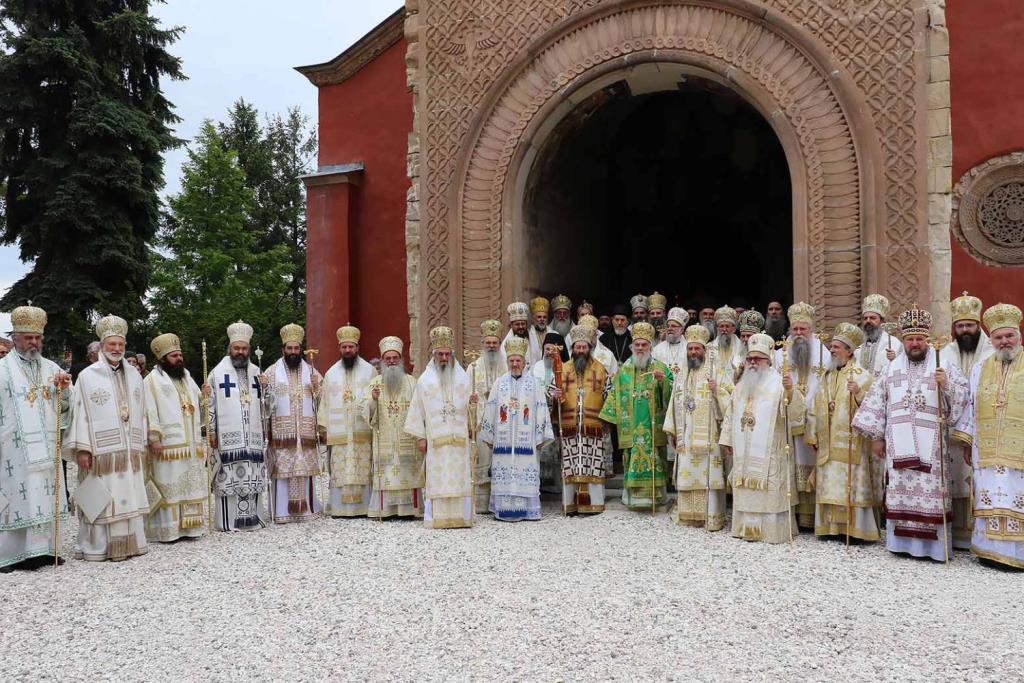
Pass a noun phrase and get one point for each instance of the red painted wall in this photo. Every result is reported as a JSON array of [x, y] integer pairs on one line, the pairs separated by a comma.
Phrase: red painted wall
[[366, 118], [987, 92]]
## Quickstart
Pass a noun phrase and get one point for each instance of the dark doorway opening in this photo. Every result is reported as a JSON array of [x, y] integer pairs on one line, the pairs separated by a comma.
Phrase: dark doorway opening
[[684, 192]]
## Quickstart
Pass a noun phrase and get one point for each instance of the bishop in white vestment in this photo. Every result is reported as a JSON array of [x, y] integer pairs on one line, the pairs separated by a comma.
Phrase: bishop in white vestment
[[397, 464], [755, 429], [701, 394], [29, 418], [346, 432], [803, 363], [516, 422], [901, 414], [293, 388], [996, 430], [483, 372], [969, 348], [672, 352], [107, 439], [237, 415], [177, 480], [879, 347], [439, 419]]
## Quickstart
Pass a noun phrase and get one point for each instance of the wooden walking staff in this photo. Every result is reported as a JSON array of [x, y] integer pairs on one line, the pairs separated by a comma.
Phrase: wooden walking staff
[[56, 480], [787, 450], [209, 449], [471, 355], [938, 345]]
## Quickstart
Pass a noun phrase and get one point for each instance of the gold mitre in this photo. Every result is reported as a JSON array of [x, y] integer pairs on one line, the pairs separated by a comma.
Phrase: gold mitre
[[442, 338], [726, 314], [657, 300], [640, 301], [391, 344], [876, 303], [851, 335], [801, 312], [697, 334], [165, 344], [677, 314], [581, 333], [292, 333], [966, 307], [1002, 315], [643, 330], [751, 321], [915, 321], [239, 332], [516, 346], [490, 328], [588, 321], [348, 334], [518, 311], [111, 326], [561, 301], [760, 344], [539, 305], [29, 319]]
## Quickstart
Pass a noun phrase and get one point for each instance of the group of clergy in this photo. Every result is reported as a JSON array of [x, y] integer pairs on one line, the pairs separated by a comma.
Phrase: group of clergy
[[858, 434]]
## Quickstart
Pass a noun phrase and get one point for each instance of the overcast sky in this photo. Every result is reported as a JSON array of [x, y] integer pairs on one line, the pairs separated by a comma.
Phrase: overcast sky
[[243, 48]]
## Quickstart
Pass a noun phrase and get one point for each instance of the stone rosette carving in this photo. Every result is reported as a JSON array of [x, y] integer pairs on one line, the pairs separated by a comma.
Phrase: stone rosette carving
[[988, 210]]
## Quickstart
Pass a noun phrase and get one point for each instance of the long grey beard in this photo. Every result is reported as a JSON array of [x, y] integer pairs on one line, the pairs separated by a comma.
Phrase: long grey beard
[[800, 354], [750, 384], [445, 375], [31, 354], [872, 333], [1008, 355], [741, 349], [835, 364], [492, 363], [724, 341], [393, 376], [641, 360], [709, 325], [562, 327]]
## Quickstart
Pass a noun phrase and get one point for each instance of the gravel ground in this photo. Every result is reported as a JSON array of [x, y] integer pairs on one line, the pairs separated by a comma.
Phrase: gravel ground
[[618, 596]]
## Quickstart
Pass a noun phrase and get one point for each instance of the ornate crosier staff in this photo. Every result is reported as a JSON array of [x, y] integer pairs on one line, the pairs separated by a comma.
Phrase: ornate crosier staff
[[471, 355], [209, 449], [56, 479], [265, 423], [784, 344], [712, 401], [556, 368], [854, 370], [938, 345]]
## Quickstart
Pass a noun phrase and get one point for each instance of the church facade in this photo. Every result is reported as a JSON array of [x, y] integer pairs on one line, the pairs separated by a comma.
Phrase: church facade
[[900, 123]]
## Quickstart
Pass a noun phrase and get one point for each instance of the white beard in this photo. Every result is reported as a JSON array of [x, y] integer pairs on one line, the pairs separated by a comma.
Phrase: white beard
[[1008, 355], [113, 358], [562, 327], [642, 360], [750, 384]]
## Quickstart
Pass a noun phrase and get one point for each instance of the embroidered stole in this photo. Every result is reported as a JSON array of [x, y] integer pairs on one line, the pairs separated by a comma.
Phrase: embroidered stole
[[999, 410]]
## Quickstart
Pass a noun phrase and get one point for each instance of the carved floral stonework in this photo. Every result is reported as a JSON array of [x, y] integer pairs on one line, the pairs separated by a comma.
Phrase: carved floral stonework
[[844, 79], [988, 210]]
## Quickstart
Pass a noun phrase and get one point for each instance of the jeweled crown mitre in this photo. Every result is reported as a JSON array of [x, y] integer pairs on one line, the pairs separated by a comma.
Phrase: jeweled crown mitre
[[1002, 315], [111, 326], [966, 307], [28, 319], [292, 333], [442, 338]]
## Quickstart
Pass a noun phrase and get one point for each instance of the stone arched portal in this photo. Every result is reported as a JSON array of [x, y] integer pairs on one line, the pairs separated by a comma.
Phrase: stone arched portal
[[486, 98]]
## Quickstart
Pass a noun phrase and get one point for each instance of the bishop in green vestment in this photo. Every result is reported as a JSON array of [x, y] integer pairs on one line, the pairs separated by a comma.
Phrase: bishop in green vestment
[[636, 406]]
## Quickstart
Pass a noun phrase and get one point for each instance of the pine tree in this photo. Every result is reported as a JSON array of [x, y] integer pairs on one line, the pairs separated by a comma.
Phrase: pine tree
[[85, 127], [209, 270]]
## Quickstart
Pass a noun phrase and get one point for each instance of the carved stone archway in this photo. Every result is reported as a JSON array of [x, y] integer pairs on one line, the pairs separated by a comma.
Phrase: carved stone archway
[[854, 227]]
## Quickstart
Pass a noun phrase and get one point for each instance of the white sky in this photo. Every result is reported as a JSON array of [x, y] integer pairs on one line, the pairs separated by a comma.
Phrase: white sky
[[248, 49]]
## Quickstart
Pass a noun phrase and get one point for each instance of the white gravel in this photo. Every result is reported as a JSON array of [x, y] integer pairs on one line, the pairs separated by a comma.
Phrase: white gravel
[[618, 596]]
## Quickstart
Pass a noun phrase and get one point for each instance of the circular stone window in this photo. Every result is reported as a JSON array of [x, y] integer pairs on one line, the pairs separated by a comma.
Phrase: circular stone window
[[988, 210]]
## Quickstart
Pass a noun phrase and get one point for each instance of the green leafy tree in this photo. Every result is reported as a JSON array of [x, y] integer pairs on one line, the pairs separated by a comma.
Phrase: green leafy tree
[[209, 269], [85, 125]]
